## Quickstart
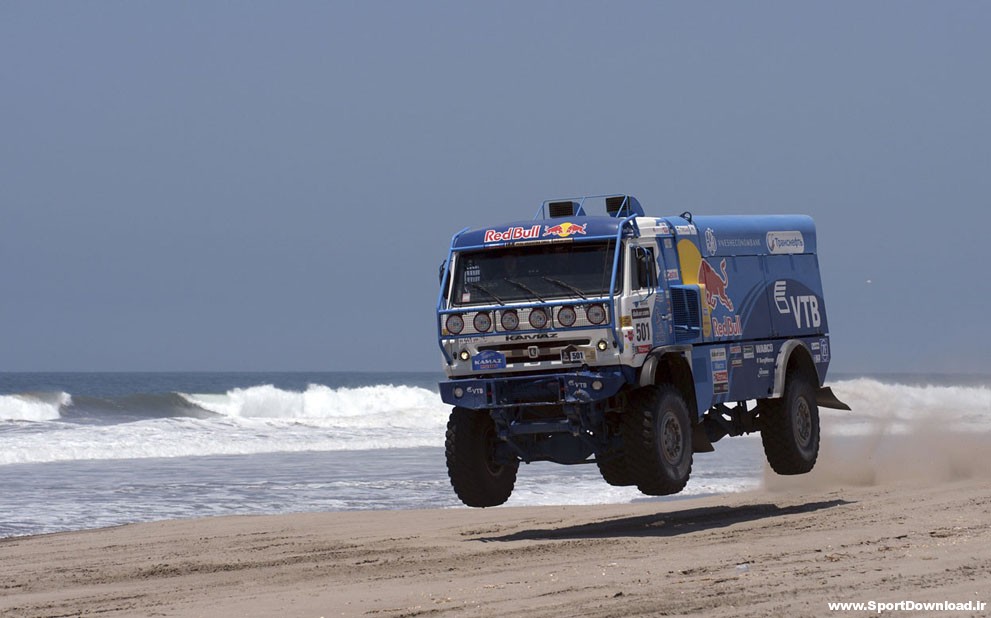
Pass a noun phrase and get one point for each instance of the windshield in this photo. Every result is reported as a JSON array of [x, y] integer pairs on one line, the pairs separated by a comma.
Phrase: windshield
[[534, 273]]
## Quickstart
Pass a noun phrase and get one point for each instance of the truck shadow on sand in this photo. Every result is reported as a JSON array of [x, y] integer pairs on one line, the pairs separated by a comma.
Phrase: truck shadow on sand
[[667, 524]]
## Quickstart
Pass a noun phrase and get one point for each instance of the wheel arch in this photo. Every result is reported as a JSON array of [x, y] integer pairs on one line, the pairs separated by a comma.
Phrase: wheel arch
[[672, 365], [793, 355]]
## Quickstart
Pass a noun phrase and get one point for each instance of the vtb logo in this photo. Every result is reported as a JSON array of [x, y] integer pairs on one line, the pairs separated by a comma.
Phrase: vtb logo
[[804, 308]]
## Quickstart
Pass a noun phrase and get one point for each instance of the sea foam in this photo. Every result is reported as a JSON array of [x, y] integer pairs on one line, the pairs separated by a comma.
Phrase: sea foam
[[33, 406]]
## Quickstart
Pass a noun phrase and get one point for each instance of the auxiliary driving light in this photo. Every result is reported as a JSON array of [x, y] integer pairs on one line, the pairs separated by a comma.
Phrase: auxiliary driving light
[[567, 316], [602, 345], [596, 386], [455, 324], [464, 355], [538, 318], [482, 322], [596, 314], [459, 392], [510, 320]]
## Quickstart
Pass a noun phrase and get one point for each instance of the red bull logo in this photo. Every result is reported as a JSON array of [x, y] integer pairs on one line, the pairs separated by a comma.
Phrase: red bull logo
[[513, 233], [564, 230], [715, 286]]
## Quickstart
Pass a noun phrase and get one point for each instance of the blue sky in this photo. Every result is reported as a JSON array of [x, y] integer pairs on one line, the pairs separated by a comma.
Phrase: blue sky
[[271, 186]]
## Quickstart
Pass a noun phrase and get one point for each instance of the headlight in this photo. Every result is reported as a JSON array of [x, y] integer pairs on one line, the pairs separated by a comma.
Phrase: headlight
[[596, 314], [567, 316], [455, 324], [538, 318], [510, 320], [482, 322]]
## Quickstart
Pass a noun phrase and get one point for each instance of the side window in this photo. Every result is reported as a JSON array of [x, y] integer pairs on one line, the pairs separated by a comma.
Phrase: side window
[[645, 267]]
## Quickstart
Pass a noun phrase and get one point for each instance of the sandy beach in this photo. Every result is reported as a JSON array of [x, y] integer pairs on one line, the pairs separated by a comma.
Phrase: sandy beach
[[854, 530]]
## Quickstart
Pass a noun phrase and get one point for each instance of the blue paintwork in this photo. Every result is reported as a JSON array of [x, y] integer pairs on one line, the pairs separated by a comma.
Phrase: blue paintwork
[[565, 387], [594, 228], [760, 287]]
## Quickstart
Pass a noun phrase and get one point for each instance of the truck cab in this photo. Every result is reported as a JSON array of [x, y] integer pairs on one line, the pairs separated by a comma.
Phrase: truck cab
[[594, 333]]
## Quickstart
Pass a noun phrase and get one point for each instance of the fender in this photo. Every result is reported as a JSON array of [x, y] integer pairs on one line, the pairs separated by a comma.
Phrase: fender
[[781, 365], [648, 372]]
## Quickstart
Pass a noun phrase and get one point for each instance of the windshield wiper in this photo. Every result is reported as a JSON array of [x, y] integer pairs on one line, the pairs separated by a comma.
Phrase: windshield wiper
[[566, 286], [479, 286], [523, 287]]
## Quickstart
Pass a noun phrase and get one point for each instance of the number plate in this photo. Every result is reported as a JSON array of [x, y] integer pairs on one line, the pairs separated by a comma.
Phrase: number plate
[[573, 356]]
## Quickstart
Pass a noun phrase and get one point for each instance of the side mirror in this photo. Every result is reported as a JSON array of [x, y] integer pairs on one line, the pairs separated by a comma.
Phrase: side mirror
[[440, 275], [645, 268]]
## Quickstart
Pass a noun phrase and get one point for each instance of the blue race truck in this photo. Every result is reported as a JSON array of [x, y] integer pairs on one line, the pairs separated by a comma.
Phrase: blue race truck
[[630, 342]]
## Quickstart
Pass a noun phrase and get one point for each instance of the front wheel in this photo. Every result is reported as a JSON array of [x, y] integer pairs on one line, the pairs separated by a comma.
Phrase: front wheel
[[657, 433], [478, 477], [790, 426]]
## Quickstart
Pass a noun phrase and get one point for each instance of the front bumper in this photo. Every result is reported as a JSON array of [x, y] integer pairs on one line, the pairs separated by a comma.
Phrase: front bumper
[[575, 387]]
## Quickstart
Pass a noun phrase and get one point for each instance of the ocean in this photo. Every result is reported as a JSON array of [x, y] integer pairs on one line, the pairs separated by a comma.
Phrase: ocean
[[88, 450]]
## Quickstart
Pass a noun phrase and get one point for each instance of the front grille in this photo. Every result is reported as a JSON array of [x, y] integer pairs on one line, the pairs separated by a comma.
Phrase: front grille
[[546, 350]]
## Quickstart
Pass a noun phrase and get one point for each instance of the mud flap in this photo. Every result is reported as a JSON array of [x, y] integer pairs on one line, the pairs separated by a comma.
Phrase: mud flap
[[826, 399], [700, 441]]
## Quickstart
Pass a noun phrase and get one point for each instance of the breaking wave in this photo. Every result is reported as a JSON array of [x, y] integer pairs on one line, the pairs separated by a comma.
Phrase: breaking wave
[[259, 419], [33, 406], [45, 427]]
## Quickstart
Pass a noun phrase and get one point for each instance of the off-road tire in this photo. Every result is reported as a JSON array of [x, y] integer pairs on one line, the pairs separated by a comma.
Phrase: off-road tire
[[789, 426], [614, 468], [470, 446], [657, 434]]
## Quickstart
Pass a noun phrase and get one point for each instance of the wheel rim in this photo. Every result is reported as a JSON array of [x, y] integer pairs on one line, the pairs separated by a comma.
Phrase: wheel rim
[[671, 439], [803, 422]]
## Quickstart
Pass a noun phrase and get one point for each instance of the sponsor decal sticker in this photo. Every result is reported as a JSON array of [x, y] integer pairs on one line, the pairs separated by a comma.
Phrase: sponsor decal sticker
[[513, 233], [729, 327], [564, 230], [715, 285], [639, 314], [785, 242], [717, 354], [488, 360], [710, 241], [748, 351], [672, 274], [804, 307]]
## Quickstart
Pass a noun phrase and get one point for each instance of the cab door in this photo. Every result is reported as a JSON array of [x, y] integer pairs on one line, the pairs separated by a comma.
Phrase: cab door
[[646, 315]]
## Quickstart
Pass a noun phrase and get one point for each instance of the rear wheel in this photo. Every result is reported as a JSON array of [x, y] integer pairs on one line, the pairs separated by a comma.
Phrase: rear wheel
[[657, 433], [790, 426], [478, 477]]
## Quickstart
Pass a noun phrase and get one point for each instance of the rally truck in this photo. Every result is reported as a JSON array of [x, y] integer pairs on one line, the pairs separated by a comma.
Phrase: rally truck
[[594, 333]]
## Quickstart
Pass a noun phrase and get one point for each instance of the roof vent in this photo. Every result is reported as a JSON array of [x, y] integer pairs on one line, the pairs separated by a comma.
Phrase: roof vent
[[614, 204], [623, 205], [562, 209]]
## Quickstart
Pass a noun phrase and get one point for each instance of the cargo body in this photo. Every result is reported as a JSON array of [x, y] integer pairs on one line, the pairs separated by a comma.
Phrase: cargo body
[[629, 341]]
